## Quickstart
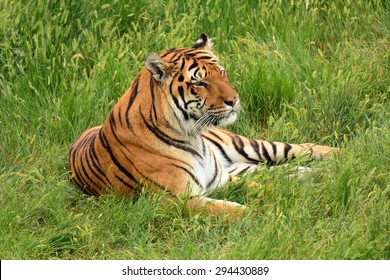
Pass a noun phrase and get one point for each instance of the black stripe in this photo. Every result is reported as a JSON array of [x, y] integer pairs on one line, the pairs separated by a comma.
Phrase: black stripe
[[204, 57], [168, 52], [232, 170], [239, 146], [245, 169], [215, 143], [81, 182], [193, 92], [174, 55], [112, 121], [92, 170], [176, 59], [189, 173], [256, 148], [191, 101], [72, 156], [124, 154], [178, 160], [87, 164], [119, 116], [216, 173], [274, 148], [84, 174], [130, 186], [89, 191], [95, 160], [265, 152], [183, 64], [106, 145], [180, 144], [196, 71], [193, 65], [153, 127], [190, 51], [215, 135], [153, 108], [287, 148], [76, 176], [134, 94], [176, 101], [78, 173], [203, 147], [84, 139]]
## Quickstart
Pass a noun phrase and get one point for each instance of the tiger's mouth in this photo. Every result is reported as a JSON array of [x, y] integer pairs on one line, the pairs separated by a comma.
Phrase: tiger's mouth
[[213, 118], [225, 117], [228, 119], [210, 119], [221, 119]]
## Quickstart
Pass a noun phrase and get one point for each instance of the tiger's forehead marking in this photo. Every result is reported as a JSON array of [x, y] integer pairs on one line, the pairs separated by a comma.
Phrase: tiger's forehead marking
[[204, 69], [200, 60]]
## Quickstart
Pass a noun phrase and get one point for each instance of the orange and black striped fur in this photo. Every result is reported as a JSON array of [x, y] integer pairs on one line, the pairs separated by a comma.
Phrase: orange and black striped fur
[[165, 132]]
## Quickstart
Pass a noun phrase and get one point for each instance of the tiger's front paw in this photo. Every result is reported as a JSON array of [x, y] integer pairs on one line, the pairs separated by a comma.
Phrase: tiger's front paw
[[318, 152]]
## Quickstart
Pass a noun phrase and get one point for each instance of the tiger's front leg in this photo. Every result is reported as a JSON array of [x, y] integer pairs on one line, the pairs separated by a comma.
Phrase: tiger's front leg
[[240, 154]]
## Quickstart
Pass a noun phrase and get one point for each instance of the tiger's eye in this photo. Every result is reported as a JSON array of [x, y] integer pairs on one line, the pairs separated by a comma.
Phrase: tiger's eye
[[200, 84]]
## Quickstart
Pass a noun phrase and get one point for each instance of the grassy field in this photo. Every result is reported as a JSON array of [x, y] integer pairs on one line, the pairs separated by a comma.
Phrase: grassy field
[[307, 71]]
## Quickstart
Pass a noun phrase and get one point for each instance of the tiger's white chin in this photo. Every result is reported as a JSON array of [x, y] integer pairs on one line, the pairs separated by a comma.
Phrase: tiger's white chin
[[204, 123], [230, 119]]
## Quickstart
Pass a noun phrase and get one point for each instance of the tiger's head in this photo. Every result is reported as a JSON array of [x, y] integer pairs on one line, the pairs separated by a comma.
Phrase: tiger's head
[[196, 86]]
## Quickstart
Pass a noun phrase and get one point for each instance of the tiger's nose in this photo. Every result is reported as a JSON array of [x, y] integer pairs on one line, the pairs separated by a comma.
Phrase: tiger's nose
[[232, 101]]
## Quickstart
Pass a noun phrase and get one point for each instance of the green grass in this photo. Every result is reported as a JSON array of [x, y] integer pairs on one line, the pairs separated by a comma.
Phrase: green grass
[[307, 71]]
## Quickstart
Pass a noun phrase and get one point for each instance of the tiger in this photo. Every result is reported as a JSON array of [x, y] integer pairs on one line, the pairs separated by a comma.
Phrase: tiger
[[166, 132]]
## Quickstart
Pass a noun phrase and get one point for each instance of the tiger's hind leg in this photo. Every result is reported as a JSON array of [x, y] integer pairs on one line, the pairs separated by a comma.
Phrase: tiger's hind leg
[[216, 206]]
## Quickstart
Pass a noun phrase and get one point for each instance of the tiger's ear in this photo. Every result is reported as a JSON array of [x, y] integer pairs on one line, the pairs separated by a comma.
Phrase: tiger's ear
[[203, 43], [159, 69]]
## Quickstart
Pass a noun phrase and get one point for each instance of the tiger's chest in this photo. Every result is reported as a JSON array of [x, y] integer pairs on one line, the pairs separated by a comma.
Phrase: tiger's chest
[[209, 170]]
